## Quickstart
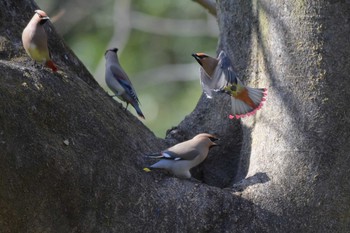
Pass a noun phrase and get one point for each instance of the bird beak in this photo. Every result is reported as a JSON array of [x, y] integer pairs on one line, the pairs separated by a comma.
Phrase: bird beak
[[197, 58], [213, 140]]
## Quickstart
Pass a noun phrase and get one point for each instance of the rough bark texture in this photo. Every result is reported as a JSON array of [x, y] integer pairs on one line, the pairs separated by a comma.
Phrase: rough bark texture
[[71, 157], [300, 51]]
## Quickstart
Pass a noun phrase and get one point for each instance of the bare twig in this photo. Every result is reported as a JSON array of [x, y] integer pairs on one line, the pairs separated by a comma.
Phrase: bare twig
[[159, 75], [120, 37], [166, 26], [210, 5]]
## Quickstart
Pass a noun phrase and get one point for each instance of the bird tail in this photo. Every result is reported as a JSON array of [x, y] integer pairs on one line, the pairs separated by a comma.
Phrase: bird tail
[[147, 169], [247, 102], [51, 65], [138, 111]]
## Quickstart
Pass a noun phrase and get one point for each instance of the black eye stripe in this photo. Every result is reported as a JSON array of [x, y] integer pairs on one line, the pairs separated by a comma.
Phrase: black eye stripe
[[41, 16]]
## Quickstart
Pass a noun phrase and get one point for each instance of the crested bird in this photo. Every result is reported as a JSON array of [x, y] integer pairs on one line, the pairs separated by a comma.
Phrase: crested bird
[[118, 81], [217, 75], [179, 159], [34, 40]]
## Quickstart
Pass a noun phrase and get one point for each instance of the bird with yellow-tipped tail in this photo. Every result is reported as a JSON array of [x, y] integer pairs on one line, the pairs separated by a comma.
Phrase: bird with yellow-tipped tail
[[217, 75], [180, 158]]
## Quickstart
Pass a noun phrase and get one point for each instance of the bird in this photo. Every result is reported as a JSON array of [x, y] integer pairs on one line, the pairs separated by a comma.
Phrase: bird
[[180, 158], [217, 75], [118, 81], [34, 40]]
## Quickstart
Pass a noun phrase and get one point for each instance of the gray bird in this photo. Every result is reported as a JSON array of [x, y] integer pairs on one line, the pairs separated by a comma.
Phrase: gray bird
[[179, 159], [34, 40], [217, 75], [118, 81]]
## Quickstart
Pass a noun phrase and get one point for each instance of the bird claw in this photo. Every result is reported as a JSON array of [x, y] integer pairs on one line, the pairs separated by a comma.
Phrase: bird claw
[[37, 66]]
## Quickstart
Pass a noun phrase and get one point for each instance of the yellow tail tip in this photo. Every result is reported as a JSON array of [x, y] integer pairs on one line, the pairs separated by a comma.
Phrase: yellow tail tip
[[146, 169]]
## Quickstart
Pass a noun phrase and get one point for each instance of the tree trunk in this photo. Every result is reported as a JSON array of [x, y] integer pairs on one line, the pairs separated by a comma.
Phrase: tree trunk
[[71, 157], [301, 139]]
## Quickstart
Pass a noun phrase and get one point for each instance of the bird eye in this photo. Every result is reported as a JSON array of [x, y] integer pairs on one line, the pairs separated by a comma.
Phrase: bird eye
[[213, 139]]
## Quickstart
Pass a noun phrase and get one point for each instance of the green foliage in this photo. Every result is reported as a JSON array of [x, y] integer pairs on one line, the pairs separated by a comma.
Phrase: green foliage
[[170, 9], [89, 32]]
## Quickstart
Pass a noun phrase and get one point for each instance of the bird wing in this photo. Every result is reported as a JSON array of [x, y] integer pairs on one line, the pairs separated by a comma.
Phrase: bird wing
[[207, 83], [124, 81], [188, 154], [226, 75], [222, 77]]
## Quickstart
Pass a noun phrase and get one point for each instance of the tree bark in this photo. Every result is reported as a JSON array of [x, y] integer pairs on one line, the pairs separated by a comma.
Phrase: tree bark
[[71, 158], [300, 139]]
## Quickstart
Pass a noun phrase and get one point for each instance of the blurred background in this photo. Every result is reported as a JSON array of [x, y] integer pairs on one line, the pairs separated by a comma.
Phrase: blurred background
[[155, 40]]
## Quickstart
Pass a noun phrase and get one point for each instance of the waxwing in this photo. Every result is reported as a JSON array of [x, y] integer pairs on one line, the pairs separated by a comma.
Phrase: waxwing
[[217, 75], [179, 159], [117, 80], [34, 40]]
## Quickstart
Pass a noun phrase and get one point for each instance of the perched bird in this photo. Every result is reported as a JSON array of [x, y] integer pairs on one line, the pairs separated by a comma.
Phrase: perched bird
[[34, 40], [117, 80], [217, 75], [180, 158]]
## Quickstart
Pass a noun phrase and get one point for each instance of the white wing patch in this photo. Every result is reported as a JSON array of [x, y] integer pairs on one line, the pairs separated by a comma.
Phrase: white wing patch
[[165, 155], [168, 156]]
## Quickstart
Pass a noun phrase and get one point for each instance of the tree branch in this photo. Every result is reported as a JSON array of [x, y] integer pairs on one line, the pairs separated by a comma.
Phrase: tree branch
[[169, 27], [208, 4]]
